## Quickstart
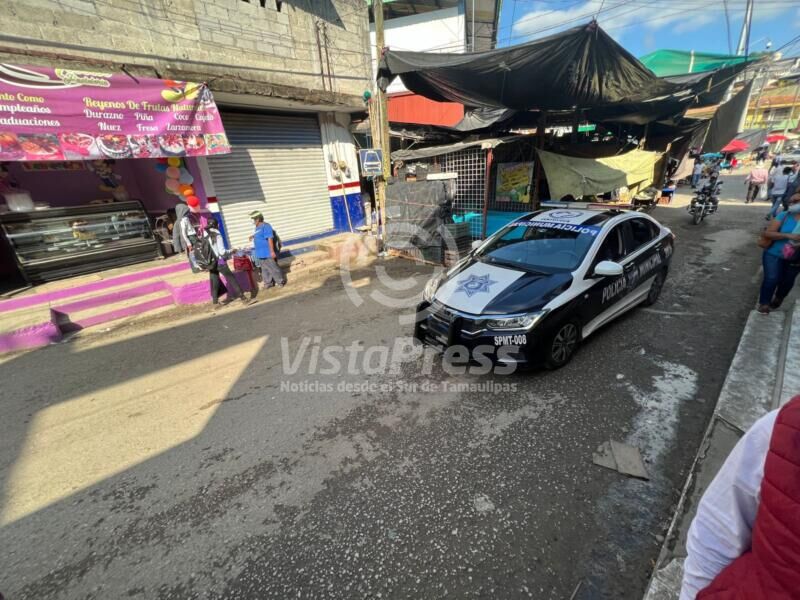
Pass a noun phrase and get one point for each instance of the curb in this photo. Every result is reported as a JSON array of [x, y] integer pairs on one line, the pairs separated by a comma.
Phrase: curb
[[743, 399]]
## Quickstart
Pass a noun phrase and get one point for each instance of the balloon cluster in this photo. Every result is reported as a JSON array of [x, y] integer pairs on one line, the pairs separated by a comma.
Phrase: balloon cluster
[[179, 180]]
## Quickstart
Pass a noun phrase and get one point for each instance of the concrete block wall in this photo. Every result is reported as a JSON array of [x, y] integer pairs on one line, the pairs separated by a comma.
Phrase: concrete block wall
[[247, 40]]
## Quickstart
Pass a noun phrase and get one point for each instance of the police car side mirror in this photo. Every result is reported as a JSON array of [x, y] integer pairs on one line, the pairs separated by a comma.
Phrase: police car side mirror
[[608, 268]]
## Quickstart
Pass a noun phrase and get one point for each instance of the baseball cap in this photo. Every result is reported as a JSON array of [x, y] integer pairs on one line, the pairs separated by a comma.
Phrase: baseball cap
[[256, 215]]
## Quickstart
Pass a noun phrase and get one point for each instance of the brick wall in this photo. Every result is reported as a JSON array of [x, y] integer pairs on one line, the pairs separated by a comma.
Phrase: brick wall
[[235, 45]]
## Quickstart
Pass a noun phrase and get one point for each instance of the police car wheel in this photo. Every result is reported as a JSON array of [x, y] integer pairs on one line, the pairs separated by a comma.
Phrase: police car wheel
[[655, 288], [562, 345]]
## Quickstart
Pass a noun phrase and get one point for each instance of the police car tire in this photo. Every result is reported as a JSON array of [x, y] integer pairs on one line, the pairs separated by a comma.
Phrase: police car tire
[[655, 288], [567, 332]]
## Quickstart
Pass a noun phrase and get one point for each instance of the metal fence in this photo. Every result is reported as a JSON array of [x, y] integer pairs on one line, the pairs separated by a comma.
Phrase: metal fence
[[470, 165]]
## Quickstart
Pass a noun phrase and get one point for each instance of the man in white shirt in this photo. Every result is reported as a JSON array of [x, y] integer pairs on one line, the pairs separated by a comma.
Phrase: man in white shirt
[[697, 172], [722, 528], [779, 181]]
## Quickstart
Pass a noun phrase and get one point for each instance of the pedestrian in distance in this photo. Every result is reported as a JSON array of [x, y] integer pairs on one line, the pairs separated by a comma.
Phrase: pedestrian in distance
[[781, 259], [793, 187], [219, 265], [744, 541], [778, 183], [757, 177], [184, 234], [697, 172], [266, 248]]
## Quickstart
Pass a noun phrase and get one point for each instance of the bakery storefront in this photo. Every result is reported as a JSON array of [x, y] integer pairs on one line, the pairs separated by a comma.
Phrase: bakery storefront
[[92, 166]]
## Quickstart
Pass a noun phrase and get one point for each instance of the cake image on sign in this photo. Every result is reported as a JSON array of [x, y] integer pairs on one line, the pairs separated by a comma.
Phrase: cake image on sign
[[78, 146], [144, 146], [171, 144], [195, 145], [216, 143], [10, 148], [114, 145], [43, 146]]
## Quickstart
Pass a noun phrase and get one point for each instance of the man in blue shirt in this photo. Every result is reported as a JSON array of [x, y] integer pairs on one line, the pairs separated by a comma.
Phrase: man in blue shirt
[[265, 251]]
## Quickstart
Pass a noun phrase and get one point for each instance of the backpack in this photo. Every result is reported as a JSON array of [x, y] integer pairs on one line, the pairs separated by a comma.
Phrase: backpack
[[277, 241], [204, 256]]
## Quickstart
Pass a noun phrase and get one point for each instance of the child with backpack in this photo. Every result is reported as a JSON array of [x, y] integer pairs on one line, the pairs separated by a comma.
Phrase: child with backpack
[[210, 254]]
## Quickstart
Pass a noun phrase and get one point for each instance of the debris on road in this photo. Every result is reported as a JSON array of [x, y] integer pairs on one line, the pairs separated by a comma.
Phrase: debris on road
[[620, 457], [482, 503]]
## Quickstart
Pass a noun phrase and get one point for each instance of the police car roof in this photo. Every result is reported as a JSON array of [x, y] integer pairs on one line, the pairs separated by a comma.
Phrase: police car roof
[[582, 216]]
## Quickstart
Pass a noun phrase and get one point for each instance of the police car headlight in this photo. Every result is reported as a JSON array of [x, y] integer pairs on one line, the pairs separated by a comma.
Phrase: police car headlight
[[528, 321], [431, 287]]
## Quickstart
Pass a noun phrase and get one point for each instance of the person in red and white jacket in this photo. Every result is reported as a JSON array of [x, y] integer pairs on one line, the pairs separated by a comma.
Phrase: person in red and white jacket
[[744, 542]]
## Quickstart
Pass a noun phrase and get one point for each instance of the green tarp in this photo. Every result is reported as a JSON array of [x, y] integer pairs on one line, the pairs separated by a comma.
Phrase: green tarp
[[680, 62], [585, 176]]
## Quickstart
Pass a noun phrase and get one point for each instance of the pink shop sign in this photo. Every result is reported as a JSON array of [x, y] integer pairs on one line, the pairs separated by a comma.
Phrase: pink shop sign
[[64, 114]]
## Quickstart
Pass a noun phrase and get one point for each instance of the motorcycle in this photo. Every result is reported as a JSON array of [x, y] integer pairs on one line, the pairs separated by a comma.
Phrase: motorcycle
[[705, 201]]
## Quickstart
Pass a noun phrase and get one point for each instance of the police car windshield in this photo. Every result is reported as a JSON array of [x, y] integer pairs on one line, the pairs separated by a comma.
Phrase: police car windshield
[[540, 245]]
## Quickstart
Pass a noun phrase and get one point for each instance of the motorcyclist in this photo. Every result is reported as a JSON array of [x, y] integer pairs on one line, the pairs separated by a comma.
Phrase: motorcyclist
[[711, 191]]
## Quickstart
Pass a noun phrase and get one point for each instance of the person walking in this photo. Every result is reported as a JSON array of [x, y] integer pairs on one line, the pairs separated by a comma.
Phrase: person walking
[[266, 251], [697, 172], [758, 176], [744, 541], [781, 260], [221, 266], [184, 234], [779, 181], [793, 187]]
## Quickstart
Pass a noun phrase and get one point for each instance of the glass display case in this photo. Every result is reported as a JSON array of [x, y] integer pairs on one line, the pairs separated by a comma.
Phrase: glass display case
[[62, 242]]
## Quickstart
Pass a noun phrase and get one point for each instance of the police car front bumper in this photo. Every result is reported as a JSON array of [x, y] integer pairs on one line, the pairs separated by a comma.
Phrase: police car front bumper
[[441, 327]]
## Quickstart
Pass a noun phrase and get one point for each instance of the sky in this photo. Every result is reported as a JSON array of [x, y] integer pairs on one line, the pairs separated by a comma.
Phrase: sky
[[642, 26]]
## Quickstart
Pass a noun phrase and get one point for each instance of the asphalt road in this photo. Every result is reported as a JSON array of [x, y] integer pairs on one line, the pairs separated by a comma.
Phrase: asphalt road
[[194, 456]]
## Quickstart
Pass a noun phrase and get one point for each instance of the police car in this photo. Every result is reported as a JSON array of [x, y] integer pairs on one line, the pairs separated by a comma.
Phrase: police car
[[534, 290]]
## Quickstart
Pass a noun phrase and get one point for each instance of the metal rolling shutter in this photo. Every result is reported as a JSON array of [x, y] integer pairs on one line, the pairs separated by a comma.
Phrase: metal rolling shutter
[[277, 166]]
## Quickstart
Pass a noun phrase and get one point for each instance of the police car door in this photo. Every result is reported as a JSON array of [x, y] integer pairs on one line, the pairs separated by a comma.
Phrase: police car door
[[643, 257], [606, 292]]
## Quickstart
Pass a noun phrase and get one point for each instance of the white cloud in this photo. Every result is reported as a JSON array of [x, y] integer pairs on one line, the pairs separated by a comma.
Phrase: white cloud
[[618, 15]]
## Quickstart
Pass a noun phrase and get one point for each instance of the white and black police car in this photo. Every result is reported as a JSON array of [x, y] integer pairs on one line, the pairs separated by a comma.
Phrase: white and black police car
[[531, 292]]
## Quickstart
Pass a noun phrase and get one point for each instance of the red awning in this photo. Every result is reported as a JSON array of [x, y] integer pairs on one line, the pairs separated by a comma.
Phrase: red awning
[[736, 146], [771, 139]]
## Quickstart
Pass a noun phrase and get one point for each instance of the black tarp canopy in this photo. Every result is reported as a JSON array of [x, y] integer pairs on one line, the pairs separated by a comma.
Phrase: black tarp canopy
[[725, 123], [579, 68]]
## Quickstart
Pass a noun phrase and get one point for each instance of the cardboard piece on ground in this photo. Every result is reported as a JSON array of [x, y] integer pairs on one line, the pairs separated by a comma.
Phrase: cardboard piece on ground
[[620, 457], [629, 460], [604, 457]]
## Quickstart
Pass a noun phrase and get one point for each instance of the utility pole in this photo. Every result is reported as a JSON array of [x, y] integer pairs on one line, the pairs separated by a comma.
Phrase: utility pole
[[742, 49], [473, 28], [379, 124]]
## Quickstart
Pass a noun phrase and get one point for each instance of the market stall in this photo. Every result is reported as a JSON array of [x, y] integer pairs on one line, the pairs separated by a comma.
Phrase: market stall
[[91, 165]]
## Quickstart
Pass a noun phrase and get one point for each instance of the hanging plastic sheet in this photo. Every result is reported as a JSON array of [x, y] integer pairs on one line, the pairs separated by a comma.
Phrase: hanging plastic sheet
[[585, 176], [725, 123]]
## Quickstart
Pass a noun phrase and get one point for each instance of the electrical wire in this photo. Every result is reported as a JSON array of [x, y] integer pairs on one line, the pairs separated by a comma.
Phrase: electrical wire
[[728, 26]]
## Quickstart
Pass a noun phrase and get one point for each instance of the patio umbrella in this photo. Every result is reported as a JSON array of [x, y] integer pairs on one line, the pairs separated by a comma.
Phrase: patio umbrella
[[736, 146], [771, 139]]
